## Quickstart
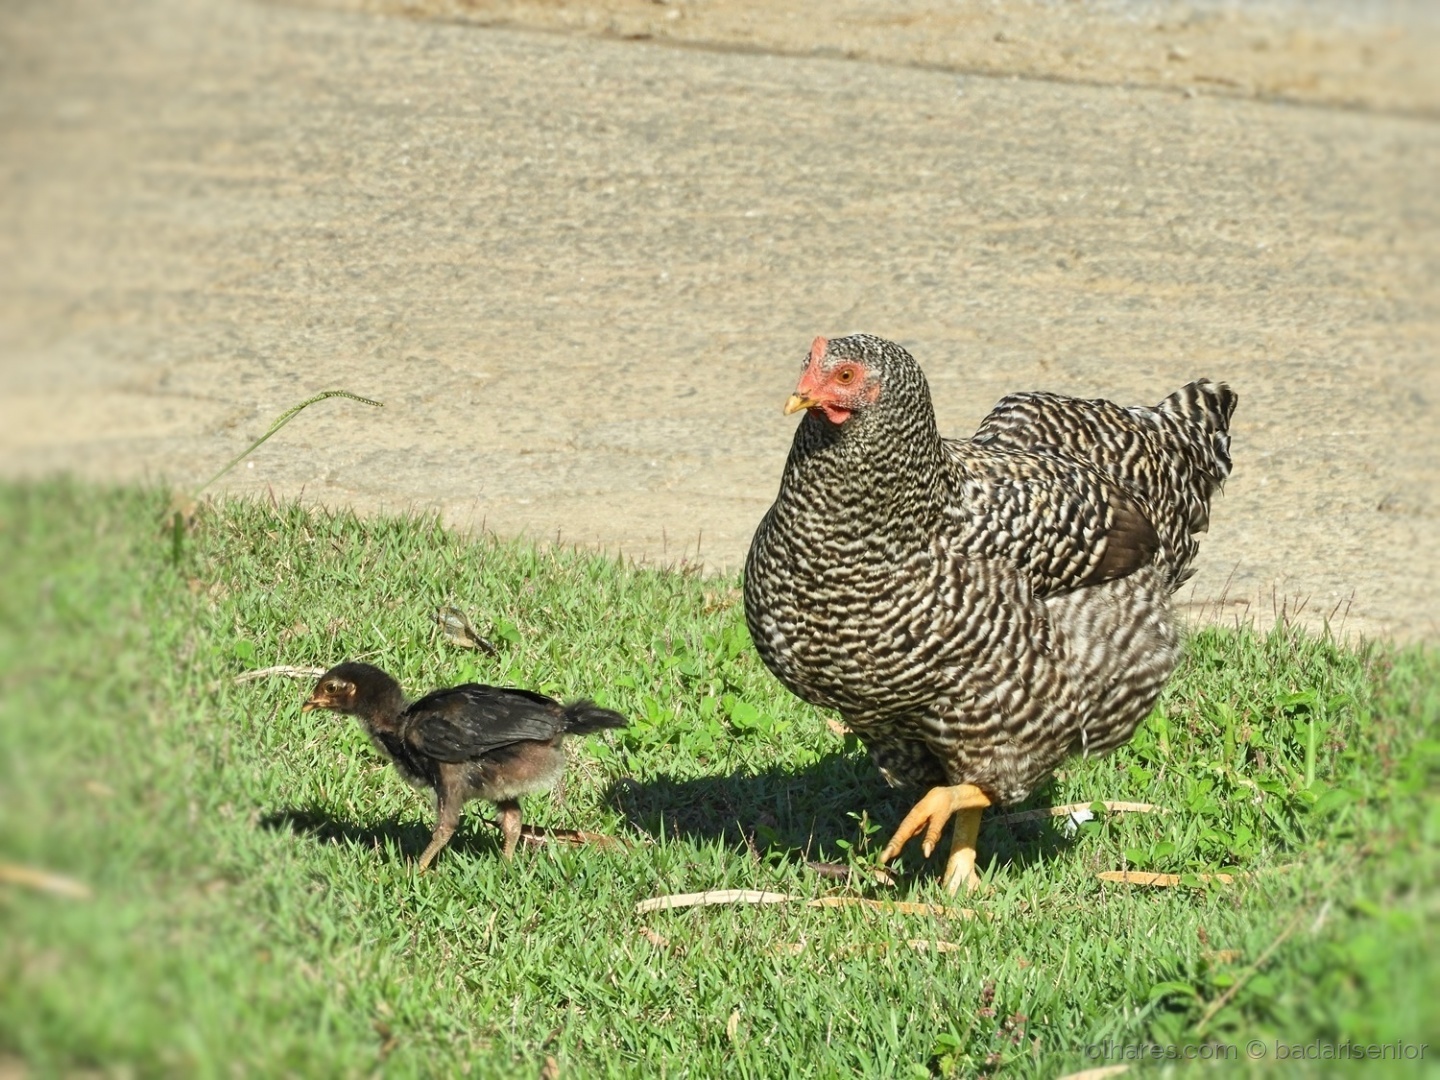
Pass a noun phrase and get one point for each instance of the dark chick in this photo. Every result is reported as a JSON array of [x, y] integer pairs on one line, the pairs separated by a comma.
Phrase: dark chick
[[469, 742]]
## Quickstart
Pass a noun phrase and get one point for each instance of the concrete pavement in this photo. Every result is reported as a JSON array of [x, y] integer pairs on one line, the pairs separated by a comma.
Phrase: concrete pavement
[[581, 273]]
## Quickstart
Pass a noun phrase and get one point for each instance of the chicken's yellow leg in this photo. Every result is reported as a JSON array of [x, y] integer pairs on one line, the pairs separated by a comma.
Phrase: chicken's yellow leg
[[931, 813], [960, 867]]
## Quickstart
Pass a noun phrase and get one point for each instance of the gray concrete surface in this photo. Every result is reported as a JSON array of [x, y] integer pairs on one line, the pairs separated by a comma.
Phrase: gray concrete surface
[[1377, 55], [581, 274]]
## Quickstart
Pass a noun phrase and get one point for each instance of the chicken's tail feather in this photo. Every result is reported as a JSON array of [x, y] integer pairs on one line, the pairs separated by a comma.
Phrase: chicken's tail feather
[[584, 716], [1197, 420], [1207, 407]]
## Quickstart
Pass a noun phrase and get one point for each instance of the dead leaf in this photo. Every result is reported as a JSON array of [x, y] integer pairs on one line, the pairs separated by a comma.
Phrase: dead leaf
[[456, 629], [653, 938], [732, 1025], [837, 727]]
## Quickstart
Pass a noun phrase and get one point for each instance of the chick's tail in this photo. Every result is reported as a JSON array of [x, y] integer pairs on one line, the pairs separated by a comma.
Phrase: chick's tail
[[584, 716]]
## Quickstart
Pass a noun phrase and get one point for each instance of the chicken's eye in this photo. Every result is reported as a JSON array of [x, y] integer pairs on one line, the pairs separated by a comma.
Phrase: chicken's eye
[[845, 376]]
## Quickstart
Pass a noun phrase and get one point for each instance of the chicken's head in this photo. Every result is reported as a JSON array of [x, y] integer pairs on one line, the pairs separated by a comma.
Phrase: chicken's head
[[349, 688], [836, 382], [332, 692]]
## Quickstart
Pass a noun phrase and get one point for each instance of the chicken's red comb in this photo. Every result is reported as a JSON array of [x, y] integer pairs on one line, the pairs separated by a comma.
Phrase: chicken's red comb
[[817, 349]]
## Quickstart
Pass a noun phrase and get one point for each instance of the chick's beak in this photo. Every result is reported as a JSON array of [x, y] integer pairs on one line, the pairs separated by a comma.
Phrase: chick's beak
[[316, 701]]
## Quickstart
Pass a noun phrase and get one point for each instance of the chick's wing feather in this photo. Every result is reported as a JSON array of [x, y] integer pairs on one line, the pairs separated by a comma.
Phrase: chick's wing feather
[[467, 722]]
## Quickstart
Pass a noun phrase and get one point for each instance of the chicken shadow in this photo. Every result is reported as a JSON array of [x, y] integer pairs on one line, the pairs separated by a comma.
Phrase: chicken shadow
[[391, 839], [811, 814]]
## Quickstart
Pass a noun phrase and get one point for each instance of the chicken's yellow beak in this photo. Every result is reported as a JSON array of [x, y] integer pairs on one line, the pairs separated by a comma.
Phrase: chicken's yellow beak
[[798, 402]]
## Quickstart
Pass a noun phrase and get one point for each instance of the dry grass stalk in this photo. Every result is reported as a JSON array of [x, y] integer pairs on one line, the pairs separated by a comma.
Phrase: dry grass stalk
[[756, 896], [843, 872], [285, 670], [44, 881], [1164, 881], [795, 948], [538, 835], [711, 897], [924, 945], [1245, 976], [1116, 807], [787, 948], [900, 907], [1222, 956]]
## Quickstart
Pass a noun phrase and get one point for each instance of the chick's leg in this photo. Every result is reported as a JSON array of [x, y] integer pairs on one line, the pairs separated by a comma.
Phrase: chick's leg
[[930, 814], [510, 826], [445, 826]]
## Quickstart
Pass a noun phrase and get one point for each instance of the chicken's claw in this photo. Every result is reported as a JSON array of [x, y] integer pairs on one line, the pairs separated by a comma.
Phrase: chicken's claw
[[930, 814]]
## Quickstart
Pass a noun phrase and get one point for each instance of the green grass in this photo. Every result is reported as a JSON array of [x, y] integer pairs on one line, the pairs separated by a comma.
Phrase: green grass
[[255, 913]]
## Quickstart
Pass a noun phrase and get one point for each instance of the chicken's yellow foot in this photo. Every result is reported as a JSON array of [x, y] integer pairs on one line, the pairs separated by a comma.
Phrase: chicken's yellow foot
[[964, 802]]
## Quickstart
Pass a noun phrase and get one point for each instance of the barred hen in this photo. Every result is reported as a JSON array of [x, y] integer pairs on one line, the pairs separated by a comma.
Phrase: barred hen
[[469, 742], [978, 609]]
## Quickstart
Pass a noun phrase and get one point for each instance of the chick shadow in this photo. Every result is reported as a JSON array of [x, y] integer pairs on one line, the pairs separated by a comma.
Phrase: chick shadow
[[809, 815], [391, 840]]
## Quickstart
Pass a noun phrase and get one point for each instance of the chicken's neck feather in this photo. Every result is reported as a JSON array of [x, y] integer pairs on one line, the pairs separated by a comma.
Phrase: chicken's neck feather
[[881, 474], [380, 710]]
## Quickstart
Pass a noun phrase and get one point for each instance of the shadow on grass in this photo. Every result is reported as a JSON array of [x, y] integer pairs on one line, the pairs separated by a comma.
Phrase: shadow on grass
[[391, 839], [806, 814]]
